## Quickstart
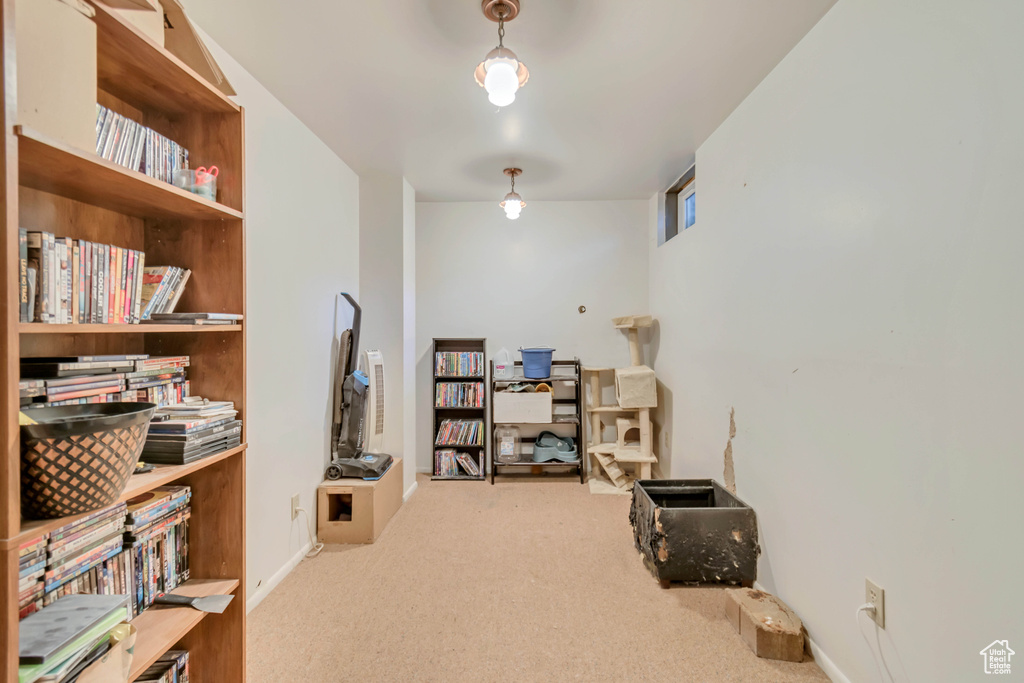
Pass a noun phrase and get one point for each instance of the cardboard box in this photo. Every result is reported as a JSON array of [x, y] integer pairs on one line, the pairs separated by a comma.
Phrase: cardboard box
[[57, 70], [148, 18], [356, 511], [517, 408]]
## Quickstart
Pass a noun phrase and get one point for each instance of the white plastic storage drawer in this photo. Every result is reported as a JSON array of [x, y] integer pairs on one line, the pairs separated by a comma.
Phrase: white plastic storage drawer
[[512, 407]]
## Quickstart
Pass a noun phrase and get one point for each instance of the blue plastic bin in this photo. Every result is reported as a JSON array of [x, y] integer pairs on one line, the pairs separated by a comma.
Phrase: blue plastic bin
[[537, 362]]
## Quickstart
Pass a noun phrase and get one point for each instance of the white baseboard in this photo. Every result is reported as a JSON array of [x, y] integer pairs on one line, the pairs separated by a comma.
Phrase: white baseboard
[[411, 490], [264, 590], [826, 664], [820, 658]]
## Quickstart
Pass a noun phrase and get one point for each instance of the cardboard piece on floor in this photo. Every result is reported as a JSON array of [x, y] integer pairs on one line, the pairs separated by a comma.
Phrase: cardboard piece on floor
[[766, 624], [356, 511], [182, 40]]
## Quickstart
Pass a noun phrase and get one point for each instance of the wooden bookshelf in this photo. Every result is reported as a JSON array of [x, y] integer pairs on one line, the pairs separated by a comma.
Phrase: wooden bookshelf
[[441, 413], [51, 186]]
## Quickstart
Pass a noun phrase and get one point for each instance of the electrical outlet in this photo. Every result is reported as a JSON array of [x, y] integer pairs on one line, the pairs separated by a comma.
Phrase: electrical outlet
[[295, 506], [875, 595]]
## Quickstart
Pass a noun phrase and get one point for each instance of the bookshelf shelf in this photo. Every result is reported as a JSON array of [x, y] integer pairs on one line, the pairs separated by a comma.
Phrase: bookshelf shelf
[[63, 170], [160, 627], [46, 328], [137, 70], [137, 485], [47, 185]]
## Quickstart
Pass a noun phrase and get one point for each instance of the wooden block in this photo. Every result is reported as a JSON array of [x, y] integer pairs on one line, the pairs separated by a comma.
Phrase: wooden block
[[767, 625]]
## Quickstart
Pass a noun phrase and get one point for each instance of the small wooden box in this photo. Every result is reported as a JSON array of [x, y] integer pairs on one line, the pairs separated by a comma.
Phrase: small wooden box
[[356, 511]]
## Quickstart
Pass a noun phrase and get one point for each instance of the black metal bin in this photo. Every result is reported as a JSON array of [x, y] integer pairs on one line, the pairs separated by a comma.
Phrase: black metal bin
[[694, 530]]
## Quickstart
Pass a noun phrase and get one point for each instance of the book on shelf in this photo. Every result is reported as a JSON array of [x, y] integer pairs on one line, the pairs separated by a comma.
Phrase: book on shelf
[[69, 380], [130, 144], [451, 463], [170, 667], [195, 429], [460, 433], [66, 281], [59, 631], [194, 319], [459, 364], [459, 395], [162, 287]]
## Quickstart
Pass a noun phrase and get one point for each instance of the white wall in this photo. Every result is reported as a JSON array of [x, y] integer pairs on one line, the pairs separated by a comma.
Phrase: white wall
[[409, 334], [519, 283], [382, 295], [302, 247], [387, 272], [853, 288]]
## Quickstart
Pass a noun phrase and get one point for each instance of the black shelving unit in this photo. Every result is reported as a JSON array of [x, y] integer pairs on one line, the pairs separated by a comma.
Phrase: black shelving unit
[[440, 413], [561, 371]]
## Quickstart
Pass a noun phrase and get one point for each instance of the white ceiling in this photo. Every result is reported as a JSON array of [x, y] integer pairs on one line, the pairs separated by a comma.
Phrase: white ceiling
[[621, 92]]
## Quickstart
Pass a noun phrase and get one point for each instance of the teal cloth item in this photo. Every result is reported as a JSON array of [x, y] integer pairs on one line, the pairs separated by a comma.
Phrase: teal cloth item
[[550, 446]]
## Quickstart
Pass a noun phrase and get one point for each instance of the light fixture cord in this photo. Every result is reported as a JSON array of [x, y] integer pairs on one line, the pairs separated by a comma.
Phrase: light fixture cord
[[513, 182], [501, 29]]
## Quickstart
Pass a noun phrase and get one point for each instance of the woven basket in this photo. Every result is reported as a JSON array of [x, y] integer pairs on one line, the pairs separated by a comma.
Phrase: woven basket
[[78, 458]]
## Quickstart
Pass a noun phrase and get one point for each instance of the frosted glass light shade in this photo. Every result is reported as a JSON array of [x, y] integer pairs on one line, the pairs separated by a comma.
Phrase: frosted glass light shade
[[501, 74], [513, 205], [501, 83]]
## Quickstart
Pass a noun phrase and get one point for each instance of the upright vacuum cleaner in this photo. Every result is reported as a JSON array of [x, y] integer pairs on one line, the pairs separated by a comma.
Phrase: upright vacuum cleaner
[[348, 459]]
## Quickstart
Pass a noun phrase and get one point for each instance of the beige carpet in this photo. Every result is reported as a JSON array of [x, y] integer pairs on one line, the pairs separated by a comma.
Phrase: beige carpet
[[528, 580]]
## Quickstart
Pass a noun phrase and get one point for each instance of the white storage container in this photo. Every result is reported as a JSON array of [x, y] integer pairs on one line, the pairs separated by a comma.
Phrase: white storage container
[[522, 408]]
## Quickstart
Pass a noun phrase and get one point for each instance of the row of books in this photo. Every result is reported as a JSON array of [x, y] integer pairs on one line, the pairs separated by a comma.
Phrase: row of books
[[73, 281], [450, 463], [193, 429], [460, 433], [465, 364], [68, 380], [130, 144], [170, 667], [138, 548], [459, 395]]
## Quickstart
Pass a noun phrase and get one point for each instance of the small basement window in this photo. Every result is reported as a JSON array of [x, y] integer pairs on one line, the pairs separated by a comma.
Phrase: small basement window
[[681, 205]]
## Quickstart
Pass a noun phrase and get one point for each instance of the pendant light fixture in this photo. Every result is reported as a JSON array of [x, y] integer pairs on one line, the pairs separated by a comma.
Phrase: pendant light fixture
[[501, 73], [513, 203]]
